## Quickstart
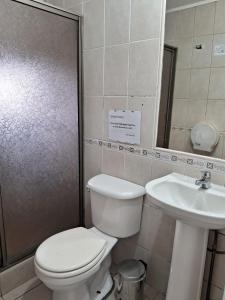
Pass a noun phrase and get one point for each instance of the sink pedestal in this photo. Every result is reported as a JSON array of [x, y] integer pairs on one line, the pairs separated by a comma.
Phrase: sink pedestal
[[179, 197], [188, 261]]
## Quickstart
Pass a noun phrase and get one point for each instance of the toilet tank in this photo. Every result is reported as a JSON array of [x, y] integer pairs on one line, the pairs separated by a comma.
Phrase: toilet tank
[[116, 205]]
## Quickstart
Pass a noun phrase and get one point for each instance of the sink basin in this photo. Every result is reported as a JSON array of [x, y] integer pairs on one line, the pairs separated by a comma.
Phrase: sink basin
[[196, 211], [178, 196]]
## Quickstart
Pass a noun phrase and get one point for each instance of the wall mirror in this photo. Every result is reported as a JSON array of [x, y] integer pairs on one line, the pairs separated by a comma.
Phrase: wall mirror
[[192, 104]]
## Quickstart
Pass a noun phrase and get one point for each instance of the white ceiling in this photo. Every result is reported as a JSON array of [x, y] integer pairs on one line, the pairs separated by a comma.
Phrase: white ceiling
[[176, 3]]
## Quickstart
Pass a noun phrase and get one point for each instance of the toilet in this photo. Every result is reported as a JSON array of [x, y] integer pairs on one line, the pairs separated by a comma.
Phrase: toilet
[[75, 263]]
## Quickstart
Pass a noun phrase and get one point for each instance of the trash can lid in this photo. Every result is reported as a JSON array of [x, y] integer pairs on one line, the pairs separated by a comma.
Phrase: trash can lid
[[131, 269]]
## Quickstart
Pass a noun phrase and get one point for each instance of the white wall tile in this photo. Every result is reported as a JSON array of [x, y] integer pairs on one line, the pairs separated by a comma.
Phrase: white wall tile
[[116, 70], [144, 59], [219, 18], [94, 24], [76, 9], [219, 153], [113, 163], [128, 249], [71, 3], [93, 72], [170, 26], [216, 87], [196, 111], [58, 3], [199, 83], [218, 60], [92, 167], [187, 141], [147, 107], [185, 23], [74, 6], [177, 139], [202, 58], [117, 21], [158, 274], [182, 84], [92, 161], [145, 19], [157, 232], [160, 168], [179, 113], [184, 53], [215, 114], [137, 169], [204, 19], [186, 113], [93, 121]]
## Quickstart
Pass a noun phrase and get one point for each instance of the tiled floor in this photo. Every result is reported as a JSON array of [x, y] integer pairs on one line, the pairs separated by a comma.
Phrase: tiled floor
[[41, 292], [35, 290]]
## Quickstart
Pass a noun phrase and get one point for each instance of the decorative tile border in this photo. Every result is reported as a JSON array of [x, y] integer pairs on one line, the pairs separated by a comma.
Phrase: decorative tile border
[[177, 158]]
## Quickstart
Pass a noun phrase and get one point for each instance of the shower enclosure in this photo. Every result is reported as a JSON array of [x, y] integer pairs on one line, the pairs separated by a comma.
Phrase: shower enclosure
[[40, 126]]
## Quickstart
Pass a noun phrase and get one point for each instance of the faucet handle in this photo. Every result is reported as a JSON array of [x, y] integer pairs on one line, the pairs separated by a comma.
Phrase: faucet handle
[[206, 174]]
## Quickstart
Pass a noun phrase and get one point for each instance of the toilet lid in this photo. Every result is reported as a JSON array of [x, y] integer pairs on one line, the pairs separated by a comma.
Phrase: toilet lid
[[69, 250]]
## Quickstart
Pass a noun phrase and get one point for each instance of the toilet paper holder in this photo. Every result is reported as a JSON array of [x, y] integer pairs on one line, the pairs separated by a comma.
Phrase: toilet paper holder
[[204, 137]]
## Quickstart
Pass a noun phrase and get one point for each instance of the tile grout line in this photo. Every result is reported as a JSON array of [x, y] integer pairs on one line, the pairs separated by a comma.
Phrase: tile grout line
[[103, 83], [211, 63], [128, 69], [121, 44]]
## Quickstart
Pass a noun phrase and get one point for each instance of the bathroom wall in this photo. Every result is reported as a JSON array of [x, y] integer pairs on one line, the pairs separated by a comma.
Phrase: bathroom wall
[[121, 70], [198, 94], [19, 282]]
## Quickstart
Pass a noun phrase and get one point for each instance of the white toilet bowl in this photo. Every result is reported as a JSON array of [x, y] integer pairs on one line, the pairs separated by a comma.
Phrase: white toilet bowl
[[75, 263], [83, 273]]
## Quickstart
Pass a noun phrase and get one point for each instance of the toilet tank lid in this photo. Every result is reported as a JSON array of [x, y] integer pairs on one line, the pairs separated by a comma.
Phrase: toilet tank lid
[[115, 187]]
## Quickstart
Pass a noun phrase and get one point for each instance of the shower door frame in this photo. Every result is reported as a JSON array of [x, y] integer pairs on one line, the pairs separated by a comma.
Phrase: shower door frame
[[63, 13]]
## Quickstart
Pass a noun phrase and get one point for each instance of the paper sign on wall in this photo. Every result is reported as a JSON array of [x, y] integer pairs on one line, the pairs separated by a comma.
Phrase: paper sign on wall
[[219, 50], [124, 126]]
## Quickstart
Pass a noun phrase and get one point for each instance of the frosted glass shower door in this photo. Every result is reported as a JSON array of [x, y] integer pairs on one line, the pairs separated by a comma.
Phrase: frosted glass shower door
[[39, 132]]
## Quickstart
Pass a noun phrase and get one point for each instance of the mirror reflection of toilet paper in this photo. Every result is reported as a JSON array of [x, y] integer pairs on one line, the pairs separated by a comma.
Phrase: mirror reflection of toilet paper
[[204, 137]]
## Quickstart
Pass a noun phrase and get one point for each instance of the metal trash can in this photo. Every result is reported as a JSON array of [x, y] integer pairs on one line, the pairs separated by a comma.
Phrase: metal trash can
[[131, 276]]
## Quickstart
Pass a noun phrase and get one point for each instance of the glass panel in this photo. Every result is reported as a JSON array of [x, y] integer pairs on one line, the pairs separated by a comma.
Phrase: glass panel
[[39, 148]]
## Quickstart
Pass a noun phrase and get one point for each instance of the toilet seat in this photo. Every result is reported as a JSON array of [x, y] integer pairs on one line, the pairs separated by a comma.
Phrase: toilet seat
[[70, 253]]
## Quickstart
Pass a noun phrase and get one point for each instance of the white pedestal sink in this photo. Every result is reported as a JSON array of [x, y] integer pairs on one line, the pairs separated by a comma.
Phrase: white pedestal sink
[[196, 211]]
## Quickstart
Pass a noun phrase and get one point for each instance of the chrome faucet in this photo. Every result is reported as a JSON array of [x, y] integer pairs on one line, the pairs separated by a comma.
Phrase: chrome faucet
[[205, 180]]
